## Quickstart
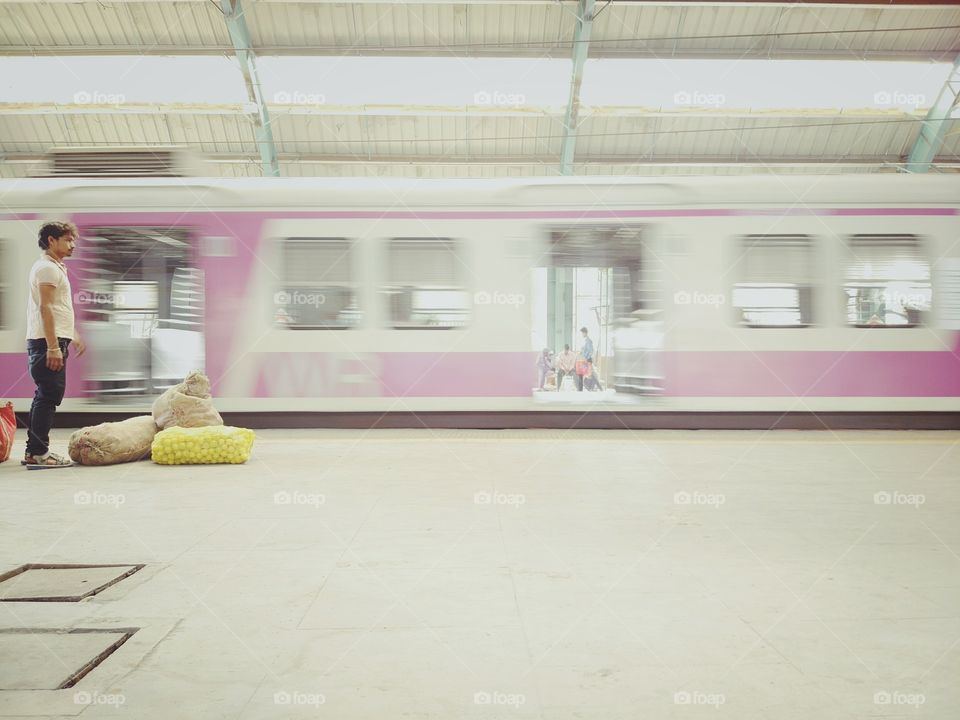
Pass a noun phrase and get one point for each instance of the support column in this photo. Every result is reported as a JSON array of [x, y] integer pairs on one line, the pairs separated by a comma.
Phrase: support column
[[930, 139], [243, 47], [581, 43]]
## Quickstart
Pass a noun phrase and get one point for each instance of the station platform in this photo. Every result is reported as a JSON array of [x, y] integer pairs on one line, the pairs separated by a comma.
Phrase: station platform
[[490, 574]]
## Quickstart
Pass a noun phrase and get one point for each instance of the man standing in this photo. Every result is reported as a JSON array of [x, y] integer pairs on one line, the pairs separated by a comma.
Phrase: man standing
[[586, 352], [50, 330]]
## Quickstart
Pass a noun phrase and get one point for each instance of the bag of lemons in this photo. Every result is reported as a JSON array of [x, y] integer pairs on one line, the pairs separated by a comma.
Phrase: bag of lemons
[[202, 445]]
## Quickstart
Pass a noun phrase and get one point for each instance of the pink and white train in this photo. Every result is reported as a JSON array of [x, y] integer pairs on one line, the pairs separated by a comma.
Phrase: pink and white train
[[765, 301]]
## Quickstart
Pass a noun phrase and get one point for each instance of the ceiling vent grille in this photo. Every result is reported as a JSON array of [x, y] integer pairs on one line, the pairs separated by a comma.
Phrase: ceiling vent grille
[[120, 162]]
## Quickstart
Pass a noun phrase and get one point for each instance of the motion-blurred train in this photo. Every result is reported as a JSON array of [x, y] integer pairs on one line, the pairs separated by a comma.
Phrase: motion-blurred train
[[711, 302]]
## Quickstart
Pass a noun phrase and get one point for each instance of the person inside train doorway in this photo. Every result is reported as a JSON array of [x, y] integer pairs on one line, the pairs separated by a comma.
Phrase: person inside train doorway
[[566, 365], [544, 366], [586, 370], [585, 361], [50, 331]]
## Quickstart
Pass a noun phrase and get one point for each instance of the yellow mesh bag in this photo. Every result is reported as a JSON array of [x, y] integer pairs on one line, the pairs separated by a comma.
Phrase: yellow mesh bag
[[202, 445]]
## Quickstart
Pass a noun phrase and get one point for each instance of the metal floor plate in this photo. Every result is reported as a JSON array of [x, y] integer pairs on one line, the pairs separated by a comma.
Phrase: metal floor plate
[[60, 583], [53, 659]]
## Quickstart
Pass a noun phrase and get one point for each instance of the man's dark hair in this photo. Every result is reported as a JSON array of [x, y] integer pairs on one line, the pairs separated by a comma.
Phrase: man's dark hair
[[53, 230], [583, 329], [566, 347]]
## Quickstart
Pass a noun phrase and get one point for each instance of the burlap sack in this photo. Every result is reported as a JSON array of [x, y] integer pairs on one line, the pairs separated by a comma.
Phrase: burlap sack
[[8, 429], [187, 405], [111, 443]]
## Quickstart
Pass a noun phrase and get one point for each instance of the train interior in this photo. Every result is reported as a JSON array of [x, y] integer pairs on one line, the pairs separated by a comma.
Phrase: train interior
[[141, 310], [607, 279]]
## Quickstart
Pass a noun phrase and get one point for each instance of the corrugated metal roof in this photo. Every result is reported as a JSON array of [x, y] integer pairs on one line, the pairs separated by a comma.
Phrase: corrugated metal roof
[[424, 142], [368, 142], [501, 29], [433, 137], [40, 27], [792, 30], [951, 143]]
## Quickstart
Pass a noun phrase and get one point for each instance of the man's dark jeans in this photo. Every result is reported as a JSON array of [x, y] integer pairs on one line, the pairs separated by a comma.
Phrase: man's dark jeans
[[49, 394]]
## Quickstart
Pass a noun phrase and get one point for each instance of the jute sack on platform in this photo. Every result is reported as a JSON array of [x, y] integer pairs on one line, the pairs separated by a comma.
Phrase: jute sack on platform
[[187, 405], [113, 442], [8, 429]]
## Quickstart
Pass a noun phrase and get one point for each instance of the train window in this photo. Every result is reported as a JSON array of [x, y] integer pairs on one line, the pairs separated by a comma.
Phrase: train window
[[774, 281], [426, 287], [318, 289], [887, 281]]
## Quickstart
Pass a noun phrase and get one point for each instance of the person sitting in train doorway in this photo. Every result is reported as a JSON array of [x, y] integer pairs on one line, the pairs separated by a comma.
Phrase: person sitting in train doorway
[[566, 365], [544, 366], [50, 331]]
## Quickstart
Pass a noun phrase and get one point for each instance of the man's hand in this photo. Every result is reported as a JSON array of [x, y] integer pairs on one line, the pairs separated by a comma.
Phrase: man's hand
[[80, 345], [55, 360]]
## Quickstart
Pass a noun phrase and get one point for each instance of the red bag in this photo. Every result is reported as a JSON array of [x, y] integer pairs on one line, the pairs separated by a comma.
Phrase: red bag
[[8, 427], [583, 367]]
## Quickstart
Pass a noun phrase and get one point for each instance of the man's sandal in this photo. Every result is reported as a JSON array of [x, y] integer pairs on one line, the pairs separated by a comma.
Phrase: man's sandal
[[52, 460]]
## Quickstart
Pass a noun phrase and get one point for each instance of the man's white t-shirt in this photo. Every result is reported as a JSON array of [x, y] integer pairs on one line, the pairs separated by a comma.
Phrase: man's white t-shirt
[[46, 271]]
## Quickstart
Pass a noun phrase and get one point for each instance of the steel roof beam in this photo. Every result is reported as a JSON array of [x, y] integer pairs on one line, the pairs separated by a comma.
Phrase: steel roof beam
[[930, 138], [243, 47], [581, 45], [547, 161], [878, 4], [602, 112], [597, 51]]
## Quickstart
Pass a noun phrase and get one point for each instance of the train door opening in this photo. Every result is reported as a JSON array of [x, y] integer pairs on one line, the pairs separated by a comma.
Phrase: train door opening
[[607, 280], [141, 310]]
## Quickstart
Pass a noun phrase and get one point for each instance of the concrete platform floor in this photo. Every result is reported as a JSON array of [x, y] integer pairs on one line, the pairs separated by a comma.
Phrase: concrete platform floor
[[534, 574]]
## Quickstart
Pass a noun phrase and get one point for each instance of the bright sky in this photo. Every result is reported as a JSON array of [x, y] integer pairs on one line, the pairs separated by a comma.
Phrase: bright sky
[[732, 84]]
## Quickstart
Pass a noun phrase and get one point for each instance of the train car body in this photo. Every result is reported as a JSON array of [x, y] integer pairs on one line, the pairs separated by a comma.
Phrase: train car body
[[769, 295]]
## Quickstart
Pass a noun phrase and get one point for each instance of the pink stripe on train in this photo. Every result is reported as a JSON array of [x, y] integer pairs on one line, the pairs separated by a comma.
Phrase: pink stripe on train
[[688, 374], [19, 216], [223, 219], [512, 374], [813, 374]]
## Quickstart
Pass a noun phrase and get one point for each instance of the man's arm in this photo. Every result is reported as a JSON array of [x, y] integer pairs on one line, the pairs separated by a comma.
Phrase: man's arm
[[54, 355]]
